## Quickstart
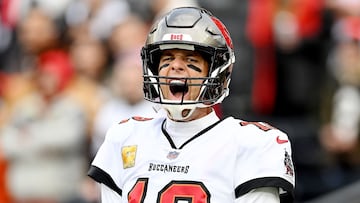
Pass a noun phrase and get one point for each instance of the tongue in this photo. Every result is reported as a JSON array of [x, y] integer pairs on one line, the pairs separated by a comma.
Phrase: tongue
[[178, 90]]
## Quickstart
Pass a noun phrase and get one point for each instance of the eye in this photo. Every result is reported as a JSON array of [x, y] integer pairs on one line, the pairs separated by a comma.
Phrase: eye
[[192, 60], [165, 58]]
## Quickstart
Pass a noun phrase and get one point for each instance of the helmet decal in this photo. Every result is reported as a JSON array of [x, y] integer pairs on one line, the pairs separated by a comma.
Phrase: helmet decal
[[177, 36], [224, 31]]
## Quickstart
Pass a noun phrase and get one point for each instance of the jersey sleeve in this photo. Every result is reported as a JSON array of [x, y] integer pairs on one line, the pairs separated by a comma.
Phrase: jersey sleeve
[[264, 160], [108, 195], [107, 165], [265, 194]]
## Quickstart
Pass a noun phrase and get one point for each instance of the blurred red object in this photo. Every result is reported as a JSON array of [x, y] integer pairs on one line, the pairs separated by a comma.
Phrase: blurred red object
[[57, 62], [352, 27], [4, 193]]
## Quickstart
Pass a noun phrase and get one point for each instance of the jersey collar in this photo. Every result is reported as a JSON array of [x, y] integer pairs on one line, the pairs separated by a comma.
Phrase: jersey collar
[[190, 130]]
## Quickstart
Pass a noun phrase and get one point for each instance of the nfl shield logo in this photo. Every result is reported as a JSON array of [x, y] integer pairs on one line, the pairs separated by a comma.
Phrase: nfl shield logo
[[172, 155]]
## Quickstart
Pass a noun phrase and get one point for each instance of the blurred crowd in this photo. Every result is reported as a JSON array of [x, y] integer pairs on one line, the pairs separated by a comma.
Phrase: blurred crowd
[[69, 69]]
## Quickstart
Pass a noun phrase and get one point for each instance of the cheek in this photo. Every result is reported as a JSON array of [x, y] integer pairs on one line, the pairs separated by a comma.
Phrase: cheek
[[194, 91], [164, 88], [161, 71], [162, 80]]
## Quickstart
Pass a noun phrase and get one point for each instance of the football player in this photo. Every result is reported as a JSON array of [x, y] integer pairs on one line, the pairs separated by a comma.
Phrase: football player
[[188, 154]]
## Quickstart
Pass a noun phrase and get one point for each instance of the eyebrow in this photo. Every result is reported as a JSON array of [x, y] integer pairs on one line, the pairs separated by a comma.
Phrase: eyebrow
[[195, 68]]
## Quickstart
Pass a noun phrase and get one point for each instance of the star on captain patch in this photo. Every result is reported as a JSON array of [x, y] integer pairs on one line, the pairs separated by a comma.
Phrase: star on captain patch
[[128, 154]]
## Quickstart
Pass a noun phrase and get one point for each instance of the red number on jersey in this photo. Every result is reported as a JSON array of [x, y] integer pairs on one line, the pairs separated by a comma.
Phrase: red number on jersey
[[189, 191], [173, 192], [262, 126], [137, 193]]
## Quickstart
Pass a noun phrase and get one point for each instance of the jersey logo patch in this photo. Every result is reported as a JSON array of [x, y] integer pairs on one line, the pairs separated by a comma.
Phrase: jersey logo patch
[[281, 141], [128, 154], [289, 167], [172, 155]]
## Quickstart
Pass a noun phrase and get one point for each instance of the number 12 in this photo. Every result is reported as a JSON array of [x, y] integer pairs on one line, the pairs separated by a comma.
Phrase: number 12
[[173, 192]]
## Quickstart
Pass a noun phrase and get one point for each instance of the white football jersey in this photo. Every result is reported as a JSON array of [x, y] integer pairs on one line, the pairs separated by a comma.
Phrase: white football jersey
[[222, 162]]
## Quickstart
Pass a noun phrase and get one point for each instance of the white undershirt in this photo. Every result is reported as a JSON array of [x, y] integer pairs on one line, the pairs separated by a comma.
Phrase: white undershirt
[[180, 132]]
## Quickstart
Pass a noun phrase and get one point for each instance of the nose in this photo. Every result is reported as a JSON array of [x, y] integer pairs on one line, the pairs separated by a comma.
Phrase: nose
[[178, 65]]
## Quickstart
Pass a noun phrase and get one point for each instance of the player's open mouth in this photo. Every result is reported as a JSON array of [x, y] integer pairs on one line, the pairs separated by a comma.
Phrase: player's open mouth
[[178, 88]]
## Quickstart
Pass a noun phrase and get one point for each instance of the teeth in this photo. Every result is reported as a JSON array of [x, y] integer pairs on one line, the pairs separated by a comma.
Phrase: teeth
[[177, 82]]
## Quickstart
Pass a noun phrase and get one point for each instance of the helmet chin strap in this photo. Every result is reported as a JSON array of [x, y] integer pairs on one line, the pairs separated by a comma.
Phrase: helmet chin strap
[[179, 112], [183, 111]]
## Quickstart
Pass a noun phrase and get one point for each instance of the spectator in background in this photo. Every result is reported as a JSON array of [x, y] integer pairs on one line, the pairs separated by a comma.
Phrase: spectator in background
[[331, 159], [291, 41], [8, 20], [90, 59], [96, 17], [12, 89], [160, 7], [288, 42], [90, 24], [344, 8], [18, 80], [44, 139], [127, 98], [38, 32], [340, 130], [4, 193], [29, 45], [344, 67], [3, 78], [127, 36]]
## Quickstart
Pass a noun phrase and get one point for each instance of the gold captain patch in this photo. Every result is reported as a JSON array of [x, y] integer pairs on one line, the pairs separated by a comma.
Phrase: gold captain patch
[[128, 154]]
